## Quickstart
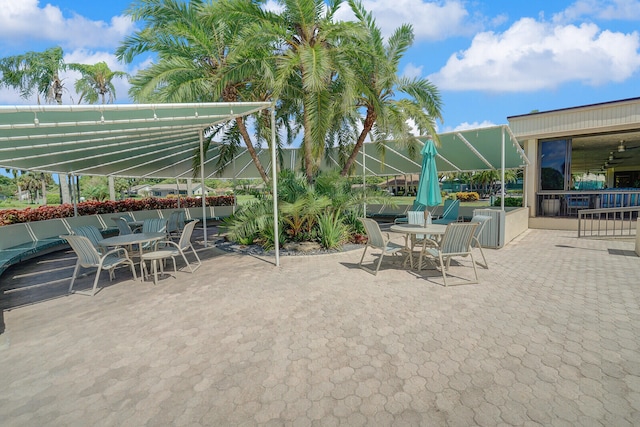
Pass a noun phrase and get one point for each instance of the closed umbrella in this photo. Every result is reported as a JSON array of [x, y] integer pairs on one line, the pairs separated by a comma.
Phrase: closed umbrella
[[428, 185]]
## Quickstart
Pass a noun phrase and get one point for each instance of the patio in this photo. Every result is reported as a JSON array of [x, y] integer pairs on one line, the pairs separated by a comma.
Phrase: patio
[[550, 336]]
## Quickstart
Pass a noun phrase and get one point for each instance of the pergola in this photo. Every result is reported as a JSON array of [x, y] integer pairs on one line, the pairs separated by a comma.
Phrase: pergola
[[160, 140], [132, 140]]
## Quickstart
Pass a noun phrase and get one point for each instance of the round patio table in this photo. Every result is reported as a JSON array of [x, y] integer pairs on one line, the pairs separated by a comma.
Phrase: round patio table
[[409, 229], [134, 239]]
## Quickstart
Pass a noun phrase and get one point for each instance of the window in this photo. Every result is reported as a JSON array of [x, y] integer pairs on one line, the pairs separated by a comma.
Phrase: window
[[555, 164]]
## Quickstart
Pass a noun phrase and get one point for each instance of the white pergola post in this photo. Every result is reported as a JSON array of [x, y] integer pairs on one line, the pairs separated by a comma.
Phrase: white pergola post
[[204, 197], [274, 179], [502, 161]]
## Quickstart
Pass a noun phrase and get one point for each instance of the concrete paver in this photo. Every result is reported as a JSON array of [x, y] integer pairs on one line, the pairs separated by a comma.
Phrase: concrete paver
[[550, 336]]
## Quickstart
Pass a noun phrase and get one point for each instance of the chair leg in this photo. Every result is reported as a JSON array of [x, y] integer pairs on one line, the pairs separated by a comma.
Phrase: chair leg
[[197, 257], [362, 258], [133, 270], [367, 269], [95, 282], [443, 270], [379, 262], [484, 263], [75, 273]]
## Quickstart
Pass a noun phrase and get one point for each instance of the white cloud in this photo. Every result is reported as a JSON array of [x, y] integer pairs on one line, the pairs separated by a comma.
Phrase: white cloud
[[430, 20], [601, 9], [25, 20], [412, 71], [273, 6], [534, 55], [474, 125]]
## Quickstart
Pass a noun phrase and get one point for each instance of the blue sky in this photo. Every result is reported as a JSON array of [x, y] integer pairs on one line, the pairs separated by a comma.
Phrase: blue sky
[[490, 59]]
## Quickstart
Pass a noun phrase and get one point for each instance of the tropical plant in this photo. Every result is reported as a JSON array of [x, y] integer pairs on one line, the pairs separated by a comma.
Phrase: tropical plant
[[332, 231], [96, 82], [313, 58], [325, 212], [35, 72], [376, 73], [193, 40]]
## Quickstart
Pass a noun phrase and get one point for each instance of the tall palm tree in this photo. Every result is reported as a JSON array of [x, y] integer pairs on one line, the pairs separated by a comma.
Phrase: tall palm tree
[[313, 66], [37, 72], [193, 42], [96, 82], [380, 87]]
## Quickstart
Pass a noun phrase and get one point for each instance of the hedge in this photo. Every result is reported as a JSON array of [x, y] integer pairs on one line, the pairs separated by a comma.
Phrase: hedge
[[14, 216], [467, 196]]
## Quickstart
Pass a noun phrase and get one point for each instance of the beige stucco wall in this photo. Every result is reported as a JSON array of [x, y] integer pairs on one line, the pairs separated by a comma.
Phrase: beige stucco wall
[[516, 222]]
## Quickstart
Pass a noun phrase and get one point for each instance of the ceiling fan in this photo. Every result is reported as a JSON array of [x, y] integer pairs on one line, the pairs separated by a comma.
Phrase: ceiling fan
[[622, 148]]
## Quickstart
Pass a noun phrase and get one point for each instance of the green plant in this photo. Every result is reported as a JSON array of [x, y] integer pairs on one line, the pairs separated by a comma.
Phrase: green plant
[[332, 232], [508, 201]]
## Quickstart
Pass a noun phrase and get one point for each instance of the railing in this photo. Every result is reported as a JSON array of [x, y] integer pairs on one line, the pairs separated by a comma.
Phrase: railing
[[612, 222], [569, 203]]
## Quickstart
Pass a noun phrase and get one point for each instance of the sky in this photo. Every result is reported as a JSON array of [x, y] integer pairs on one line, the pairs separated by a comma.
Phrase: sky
[[489, 59]]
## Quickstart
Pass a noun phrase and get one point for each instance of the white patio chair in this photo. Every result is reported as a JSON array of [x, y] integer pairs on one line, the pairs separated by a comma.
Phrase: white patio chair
[[172, 249], [88, 256], [376, 240], [456, 242]]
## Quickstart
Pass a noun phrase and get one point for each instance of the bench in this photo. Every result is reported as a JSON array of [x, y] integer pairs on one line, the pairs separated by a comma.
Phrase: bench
[[20, 242], [23, 241]]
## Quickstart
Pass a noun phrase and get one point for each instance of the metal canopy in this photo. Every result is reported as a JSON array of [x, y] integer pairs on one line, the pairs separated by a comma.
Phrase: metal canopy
[[133, 140], [160, 141], [460, 151]]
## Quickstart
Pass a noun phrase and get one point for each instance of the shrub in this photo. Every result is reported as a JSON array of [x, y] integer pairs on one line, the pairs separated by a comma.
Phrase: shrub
[[14, 216], [467, 196], [332, 232], [509, 202]]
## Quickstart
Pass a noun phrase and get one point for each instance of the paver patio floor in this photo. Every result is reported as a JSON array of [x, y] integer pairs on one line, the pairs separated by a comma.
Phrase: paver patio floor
[[550, 336]]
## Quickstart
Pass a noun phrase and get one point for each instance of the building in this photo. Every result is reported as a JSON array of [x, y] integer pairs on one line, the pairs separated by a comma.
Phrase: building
[[580, 157]]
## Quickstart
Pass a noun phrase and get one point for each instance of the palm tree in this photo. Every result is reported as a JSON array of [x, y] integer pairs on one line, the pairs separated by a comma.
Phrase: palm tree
[[37, 72], [380, 85], [96, 82], [193, 42], [313, 62]]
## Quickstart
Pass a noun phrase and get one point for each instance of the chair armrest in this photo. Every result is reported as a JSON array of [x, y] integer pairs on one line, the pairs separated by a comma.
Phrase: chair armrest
[[115, 251]]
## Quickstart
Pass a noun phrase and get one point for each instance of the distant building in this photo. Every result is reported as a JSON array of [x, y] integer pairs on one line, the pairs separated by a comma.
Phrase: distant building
[[165, 190]]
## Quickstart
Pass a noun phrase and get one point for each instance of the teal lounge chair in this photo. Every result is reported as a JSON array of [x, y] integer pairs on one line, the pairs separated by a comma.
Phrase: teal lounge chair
[[450, 213]]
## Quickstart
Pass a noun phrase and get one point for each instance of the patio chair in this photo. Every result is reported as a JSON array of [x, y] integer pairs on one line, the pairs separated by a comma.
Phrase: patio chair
[[92, 233], [456, 242], [123, 225], [450, 213], [416, 207], [171, 249], [174, 226], [153, 225], [88, 256], [376, 240], [481, 220]]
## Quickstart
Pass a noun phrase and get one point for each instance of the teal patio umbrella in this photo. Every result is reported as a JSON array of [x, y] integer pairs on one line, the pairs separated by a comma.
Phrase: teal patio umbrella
[[428, 185]]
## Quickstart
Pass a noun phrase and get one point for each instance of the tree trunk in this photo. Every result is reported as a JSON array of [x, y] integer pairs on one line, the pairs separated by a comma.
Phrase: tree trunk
[[368, 125], [251, 149], [308, 157], [64, 188]]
